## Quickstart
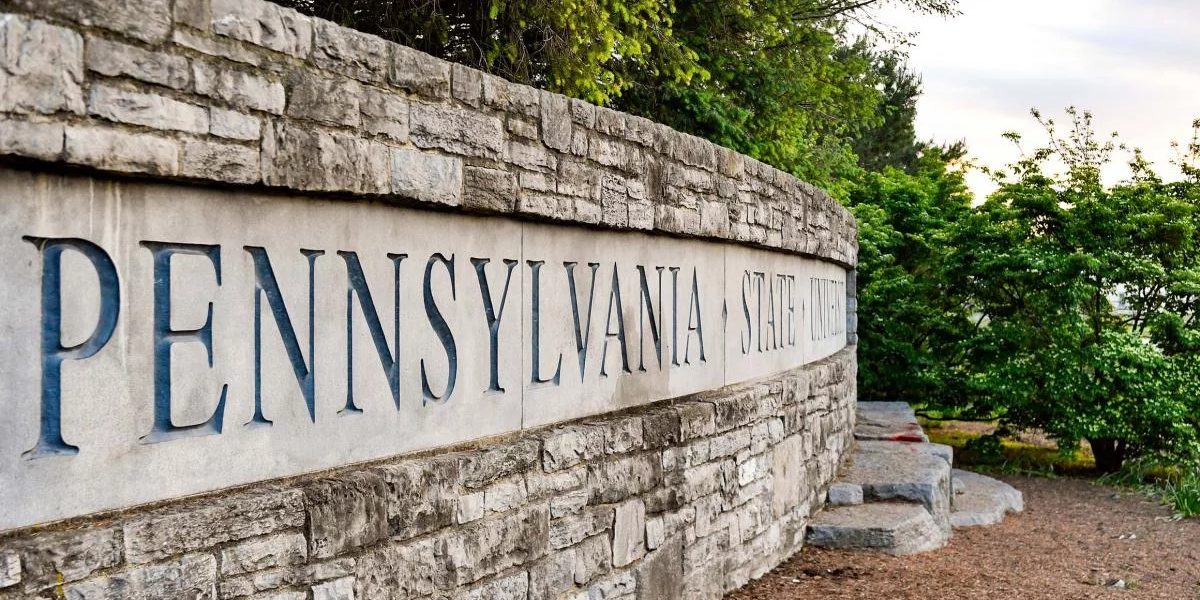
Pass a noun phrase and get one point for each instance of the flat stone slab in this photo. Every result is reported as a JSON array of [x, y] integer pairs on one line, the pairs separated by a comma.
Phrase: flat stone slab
[[893, 528], [980, 500], [892, 421], [910, 476], [941, 451]]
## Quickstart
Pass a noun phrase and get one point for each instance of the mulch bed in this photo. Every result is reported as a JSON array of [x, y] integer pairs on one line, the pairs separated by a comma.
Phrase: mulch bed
[[1075, 540]]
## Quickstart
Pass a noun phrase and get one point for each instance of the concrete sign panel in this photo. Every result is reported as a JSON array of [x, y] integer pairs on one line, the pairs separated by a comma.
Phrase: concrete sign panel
[[163, 340]]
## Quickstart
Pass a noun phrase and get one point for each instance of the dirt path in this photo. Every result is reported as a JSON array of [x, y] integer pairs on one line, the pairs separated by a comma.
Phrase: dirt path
[[1066, 545]]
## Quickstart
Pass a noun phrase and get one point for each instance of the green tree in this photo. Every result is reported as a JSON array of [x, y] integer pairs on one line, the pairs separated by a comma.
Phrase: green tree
[[1083, 293]]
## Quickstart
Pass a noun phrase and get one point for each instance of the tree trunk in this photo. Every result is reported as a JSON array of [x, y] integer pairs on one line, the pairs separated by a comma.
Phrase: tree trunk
[[1109, 453]]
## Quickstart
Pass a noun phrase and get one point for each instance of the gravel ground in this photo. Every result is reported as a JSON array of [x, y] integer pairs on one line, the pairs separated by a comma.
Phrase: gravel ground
[[1075, 540]]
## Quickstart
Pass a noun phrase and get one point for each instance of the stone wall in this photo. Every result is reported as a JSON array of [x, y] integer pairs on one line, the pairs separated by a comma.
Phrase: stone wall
[[687, 499], [245, 92]]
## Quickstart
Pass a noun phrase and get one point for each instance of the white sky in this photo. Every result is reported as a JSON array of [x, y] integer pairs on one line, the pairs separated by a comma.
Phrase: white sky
[[1134, 63]]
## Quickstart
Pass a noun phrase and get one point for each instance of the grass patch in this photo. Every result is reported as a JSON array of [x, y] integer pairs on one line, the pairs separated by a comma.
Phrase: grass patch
[[1176, 485], [976, 447]]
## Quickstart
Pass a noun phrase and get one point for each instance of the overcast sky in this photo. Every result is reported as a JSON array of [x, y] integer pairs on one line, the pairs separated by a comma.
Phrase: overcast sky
[[1134, 63]]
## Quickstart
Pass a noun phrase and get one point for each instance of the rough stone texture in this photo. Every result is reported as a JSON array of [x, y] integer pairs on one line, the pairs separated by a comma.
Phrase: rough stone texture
[[50, 559], [889, 421], [885, 527], [191, 576], [427, 177], [346, 513], [913, 477], [43, 141], [281, 550], [845, 494], [981, 500], [347, 100], [10, 569], [122, 151]]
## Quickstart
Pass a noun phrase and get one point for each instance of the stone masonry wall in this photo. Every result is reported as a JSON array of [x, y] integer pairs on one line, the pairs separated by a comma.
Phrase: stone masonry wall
[[683, 500], [246, 92]]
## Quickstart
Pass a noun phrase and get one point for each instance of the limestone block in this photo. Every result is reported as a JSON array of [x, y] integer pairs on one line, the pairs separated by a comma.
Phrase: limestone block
[[409, 570], [570, 446], [192, 576], [466, 84], [145, 20], [845, 494], [513, 587], [660, 575], [427, 177], [41, 66], [330, 100], [241, 89], [115, 59], [272, 579], [264, 24], [471, 507], [421, 495], [616, 480], [222, 162], [885, 527], [789, 475], [568, 504], [660, 429], [345, 513], [696, 419], [384, 113], [552, 576], [196, 14], [555, 121], [351, 53], [338, 589], [455, 130], [234, 125], [498, 461], [504, 497], [489, 189], [10, 569], [620, 585], [150, 110], [117, 150], [568, 531], [593, 558], [53, 558], [419, 73], [281, 550], [530, 155], [490, 546], [629, 527], [218, 46], [158, 535], [313, 159], [35, 140]]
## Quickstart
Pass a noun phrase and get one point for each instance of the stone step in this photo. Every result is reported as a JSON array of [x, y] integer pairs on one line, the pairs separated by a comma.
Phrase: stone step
[[893, 528], [980, 500], [916, 473], [892, 421]]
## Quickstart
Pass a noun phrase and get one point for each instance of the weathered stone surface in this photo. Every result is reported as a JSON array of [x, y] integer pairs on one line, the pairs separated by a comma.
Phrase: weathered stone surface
[[145, 20], [941, 451], [273, 579], [338, 589], [593, 558], [913, 477], [489, 189], [218, 46], [789, 474], [629, 533], [193, 576], [395, 571], [351, 53], [115, 59], [310, 159], [196, 14], [161, 534], [490, 546], [346, 513], [34, 140], [455, 130], [242, 90], [555, 121], [891, 421], [616, 480], [330, 100], [281, 550], [223, 162], [571, 530], [982, 500], [427, 177], [384, 113], [234, 125], [41, 67], [661, 576], [117, 150], [466, 84], [264, 24], [480, 469], [421, 496], [885, 527], [845, 494], [150, 110], [420, 74], [54, 558], [10, 569], [514, 587]]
